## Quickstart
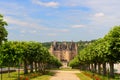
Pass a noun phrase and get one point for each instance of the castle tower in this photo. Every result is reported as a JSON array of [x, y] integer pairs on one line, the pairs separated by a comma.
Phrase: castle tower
[[64, 51]]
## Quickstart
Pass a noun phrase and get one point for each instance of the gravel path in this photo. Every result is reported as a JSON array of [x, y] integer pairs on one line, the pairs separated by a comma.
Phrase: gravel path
[[65, 75]]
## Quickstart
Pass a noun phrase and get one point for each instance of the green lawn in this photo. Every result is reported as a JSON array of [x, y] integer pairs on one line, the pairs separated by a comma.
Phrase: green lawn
[[86, 75], [13, 76], [31, 76], [43, 77], [83, 77]]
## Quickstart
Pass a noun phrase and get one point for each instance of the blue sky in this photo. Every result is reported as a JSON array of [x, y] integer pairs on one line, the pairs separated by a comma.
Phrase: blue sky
[[60, 20]]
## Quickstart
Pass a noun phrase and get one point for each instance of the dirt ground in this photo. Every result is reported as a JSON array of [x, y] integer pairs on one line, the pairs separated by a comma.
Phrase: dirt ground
[[65, 75]]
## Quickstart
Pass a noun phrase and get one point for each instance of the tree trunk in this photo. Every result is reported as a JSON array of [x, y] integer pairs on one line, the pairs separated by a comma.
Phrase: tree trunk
[[89, 67], [8, 71], [104, 69], [25, 68], [86, 67], [31, 67], [92, 69], [19, 71], [42, 67], [95, 67], [99, 68], [111, 69], [35, 66], [38, 66]]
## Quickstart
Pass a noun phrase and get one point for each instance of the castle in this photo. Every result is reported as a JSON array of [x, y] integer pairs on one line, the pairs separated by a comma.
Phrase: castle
[[64, 51]]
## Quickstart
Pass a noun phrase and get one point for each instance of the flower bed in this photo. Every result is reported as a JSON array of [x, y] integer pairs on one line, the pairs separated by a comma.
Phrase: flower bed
[[93, 76], [29, 76]]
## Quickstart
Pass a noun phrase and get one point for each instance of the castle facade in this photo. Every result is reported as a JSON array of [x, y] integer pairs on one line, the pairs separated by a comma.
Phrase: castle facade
[[64, 51]]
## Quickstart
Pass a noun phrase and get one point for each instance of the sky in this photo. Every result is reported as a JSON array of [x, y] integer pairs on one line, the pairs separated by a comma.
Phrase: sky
[[59, 20]]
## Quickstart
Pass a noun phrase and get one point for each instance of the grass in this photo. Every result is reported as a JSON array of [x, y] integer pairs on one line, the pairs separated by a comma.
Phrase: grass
[[117, 77], [13, 76], [30, 76], [44, 77], [83, 77]]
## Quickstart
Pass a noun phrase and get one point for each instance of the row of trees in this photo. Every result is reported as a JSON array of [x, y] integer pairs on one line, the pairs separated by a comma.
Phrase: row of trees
[[24, 53], [102, 51], [27, 53]]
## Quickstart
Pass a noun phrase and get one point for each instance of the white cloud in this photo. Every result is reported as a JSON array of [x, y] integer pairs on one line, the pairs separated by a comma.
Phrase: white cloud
[[72, 3], [46, 4], [33, 31], [78, 26], [13, 8], [56, 30], [28, 31], [99, 14], [51, 34], [23, 31], [24, 23], [64, 30]]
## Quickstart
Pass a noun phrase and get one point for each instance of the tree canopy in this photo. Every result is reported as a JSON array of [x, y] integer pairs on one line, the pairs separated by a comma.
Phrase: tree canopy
[[3, 32], [27, 53], [101, 51]]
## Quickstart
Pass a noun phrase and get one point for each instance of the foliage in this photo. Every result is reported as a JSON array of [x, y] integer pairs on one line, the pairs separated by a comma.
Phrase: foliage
[[3, 35], [47, 44], [27, 53], [100, 51], [82, 44], [3, 32], [113, 39]]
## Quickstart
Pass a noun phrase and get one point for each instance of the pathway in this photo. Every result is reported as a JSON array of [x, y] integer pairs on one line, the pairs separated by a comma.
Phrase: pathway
[[65, 75]]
